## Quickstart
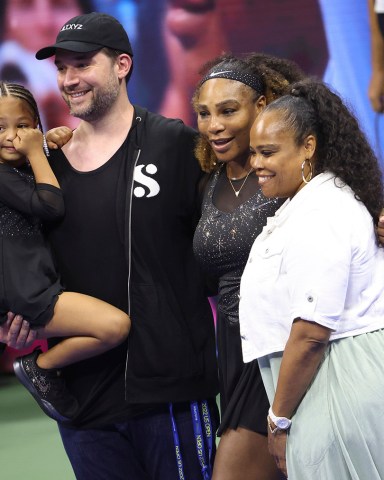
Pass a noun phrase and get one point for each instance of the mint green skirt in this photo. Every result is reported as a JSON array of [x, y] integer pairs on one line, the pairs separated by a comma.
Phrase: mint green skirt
[[337, 432]]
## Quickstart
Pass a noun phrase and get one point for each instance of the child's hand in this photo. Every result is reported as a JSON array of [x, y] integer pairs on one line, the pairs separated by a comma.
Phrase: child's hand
[[28, 140], [58, 137]]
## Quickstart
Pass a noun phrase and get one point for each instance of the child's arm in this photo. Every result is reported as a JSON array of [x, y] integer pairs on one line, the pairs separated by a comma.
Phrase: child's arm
[[58, 137], [29, 142], [43, 197]]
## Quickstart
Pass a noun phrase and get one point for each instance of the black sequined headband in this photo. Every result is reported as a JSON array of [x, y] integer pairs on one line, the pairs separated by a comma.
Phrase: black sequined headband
[[248, 79]]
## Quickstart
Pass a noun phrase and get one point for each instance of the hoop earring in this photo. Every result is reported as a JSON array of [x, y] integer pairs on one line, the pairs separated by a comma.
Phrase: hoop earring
[[310, 171]]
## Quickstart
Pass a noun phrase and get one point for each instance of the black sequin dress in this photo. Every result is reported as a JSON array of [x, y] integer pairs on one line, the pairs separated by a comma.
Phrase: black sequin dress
[[29, 283], [222, 243]]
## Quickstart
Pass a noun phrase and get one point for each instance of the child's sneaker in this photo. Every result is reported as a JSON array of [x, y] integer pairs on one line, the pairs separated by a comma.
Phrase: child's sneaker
[[46, 386]]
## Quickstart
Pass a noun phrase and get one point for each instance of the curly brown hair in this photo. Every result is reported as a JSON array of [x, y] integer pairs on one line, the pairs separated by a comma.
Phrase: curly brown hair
[[312, 108], [276, 74]]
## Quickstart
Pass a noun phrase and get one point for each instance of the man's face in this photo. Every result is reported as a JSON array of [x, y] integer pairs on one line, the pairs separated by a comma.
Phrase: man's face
[[88, 82]]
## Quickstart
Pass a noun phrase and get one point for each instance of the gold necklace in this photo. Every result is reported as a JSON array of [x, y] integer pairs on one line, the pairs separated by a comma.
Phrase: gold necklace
[[237, 192]]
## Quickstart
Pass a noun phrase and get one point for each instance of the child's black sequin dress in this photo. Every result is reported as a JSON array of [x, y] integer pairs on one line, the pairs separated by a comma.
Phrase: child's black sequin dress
[[29, 283]]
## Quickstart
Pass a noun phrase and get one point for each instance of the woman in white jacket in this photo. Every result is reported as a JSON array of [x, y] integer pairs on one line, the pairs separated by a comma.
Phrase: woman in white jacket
[[312, 293]]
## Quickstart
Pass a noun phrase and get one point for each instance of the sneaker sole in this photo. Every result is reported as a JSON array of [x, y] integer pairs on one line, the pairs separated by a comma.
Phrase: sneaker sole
[[47, 407]]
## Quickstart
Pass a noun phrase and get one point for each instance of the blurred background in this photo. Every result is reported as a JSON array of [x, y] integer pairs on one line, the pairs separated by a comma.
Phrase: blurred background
[[171, 40]]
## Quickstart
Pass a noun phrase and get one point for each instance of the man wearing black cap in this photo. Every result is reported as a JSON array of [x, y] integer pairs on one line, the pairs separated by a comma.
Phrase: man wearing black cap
[[129, 181]]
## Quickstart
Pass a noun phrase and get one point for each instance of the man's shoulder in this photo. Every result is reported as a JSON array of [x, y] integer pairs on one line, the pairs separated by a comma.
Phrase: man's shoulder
[[55, 154], [57, 159], [166, 126]]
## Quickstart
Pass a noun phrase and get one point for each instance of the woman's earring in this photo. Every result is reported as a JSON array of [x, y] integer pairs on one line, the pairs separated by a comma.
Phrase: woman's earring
[[310, 171]]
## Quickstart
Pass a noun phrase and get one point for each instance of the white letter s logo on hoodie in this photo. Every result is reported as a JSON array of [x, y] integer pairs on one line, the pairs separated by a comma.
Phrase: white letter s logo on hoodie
[[148, 182]]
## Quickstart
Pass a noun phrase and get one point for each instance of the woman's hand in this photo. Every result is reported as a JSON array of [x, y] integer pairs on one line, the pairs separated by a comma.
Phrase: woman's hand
[[277, 448], [302, 356], [380, 228], [58, 137], [376, 91]]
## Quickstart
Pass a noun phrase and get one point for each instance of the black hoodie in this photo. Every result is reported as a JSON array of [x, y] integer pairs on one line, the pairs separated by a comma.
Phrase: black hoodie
[[130, 243]]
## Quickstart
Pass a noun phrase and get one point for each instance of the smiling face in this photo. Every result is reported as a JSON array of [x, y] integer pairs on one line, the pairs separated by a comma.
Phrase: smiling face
[[14, 114], [89, 82], [226, 110], [276, 157]]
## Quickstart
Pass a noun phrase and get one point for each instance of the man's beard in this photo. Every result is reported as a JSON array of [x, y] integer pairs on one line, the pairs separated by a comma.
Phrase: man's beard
[[103, 99]]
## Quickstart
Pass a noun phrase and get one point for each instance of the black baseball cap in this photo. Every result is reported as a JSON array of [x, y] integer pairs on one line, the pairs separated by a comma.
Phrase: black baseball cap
[[88, 33]]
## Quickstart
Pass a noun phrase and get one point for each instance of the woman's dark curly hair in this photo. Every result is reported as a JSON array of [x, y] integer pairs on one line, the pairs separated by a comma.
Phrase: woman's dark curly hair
[[276, 74], [311, 108]]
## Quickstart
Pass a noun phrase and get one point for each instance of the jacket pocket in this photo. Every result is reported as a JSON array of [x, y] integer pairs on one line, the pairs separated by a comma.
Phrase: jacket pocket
[[268, 259]]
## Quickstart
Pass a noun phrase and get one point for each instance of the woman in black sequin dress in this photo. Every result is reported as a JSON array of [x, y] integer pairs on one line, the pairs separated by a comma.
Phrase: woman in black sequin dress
[[29, 283], [234, 210]]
